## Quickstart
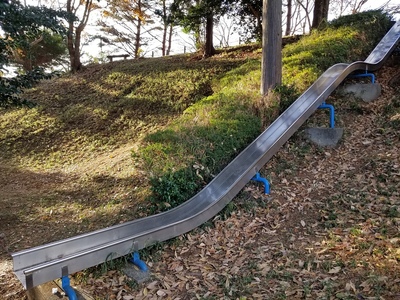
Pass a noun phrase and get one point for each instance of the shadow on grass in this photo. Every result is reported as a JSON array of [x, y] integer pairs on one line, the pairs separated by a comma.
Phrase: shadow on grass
[[105, 106], [39, 207]]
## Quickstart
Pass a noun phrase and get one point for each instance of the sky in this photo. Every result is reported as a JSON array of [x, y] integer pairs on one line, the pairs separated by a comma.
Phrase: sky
[[378, 3], [182, 40], [372, 4]]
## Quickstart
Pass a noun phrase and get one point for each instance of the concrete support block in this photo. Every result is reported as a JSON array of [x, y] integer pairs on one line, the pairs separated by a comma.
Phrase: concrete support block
[[324, 137], [366, 91], [133, 272]]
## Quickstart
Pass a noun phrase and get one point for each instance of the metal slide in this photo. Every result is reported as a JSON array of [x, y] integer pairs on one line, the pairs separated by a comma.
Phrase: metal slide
[[51, 261]]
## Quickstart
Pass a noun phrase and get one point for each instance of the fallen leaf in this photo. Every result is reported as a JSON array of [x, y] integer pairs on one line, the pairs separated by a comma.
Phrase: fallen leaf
[[335, 270]]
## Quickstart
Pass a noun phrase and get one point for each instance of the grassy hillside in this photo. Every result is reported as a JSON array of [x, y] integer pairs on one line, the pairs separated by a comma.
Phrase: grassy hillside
[[128, 138]]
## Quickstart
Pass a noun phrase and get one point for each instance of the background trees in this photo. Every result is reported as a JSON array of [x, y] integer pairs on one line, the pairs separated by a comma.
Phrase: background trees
[[45, 50], [34, 36], [343, 7], [168, 22], [24, 28], [124, 24], [248, 16], [75, 28], [199, 17]]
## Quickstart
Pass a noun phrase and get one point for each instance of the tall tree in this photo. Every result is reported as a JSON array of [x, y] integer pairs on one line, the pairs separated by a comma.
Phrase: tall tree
[[192, 15], [288, 17], [129, 19], [20, 25], [83, 8], [271, 73], [45, 50], [320, 14], [168, 23]]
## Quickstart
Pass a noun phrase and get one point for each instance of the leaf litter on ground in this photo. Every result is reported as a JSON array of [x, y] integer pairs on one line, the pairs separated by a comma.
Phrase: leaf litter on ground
[[329, 230]]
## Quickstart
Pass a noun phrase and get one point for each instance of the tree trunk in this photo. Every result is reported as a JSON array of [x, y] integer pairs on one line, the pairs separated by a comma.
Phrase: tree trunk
[[74, 42], [171, 27], [288, 17], [271, 73], [165, 28], [209, 49], [138, 30], [73, 45], [77, 65], [320, 13]]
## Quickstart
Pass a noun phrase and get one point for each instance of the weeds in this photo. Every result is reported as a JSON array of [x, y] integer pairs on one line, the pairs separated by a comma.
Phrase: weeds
[[173, 188]]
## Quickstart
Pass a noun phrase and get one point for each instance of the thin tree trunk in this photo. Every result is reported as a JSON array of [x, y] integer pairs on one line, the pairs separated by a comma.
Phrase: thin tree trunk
[[288, 17], [137, 39], [74, 42], [77, 53], [271, 73], [70, 38], [209, 47], [171, 27], [165, 29], [138, 31]]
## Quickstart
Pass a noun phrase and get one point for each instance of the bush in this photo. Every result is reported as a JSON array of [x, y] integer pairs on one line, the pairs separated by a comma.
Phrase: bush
[[173, 188]]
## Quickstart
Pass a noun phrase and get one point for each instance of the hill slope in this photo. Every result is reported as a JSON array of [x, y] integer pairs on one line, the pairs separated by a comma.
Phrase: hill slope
[[330, 230], [67, 164]]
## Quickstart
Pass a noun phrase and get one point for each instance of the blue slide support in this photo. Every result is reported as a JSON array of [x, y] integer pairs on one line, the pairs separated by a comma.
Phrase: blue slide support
[[69, 291], [258, 178], [364, 75], [138, 262], [331, 113]]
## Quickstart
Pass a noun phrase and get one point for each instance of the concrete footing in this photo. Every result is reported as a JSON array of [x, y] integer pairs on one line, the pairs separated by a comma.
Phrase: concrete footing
[[324, 137], [134, 273], [52, 291], [365, 91]]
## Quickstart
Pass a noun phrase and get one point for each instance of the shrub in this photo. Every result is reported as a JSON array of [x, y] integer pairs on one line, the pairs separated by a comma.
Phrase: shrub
[[173, 188]]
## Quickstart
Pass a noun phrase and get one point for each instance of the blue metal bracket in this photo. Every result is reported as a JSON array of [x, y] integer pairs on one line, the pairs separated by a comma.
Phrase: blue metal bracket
[[366, 74], [138, 262], [331, 113], [69, 291], [258, 178]]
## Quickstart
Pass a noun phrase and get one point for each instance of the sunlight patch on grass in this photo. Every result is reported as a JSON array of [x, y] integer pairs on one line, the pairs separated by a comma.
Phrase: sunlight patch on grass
[[204, 138]]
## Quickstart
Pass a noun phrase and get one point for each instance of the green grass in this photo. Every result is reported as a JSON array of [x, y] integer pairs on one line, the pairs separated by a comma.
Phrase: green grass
[[344, 40], [181, 118], [200, 142]]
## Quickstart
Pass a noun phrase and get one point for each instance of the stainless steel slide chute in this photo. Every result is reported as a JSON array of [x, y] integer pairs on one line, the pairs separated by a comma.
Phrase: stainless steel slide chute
[[47, 262]]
